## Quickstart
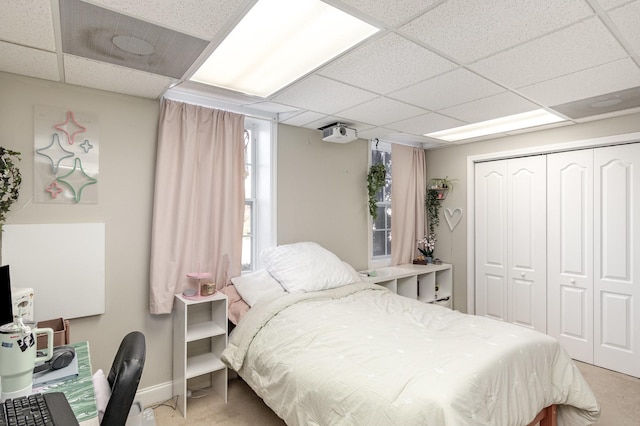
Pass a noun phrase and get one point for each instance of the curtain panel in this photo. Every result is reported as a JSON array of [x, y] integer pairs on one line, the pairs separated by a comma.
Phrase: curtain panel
[[198, 207], [408, 189]]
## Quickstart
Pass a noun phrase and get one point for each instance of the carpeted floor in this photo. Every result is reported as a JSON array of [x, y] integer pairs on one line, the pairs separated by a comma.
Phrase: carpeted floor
[[618, 395]]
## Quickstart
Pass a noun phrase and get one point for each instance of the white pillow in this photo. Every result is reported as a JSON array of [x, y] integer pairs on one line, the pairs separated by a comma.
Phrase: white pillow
[[102, 391], [255, 285], [306, 266], [354, 274]]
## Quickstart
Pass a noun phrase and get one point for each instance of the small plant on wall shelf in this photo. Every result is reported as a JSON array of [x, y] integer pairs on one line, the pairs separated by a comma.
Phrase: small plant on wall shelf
[[375, 181], [10, 179]]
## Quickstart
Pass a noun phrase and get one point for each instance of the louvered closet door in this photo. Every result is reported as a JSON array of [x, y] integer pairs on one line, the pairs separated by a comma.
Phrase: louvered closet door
[[570, 251], [511, 241], [617, 258]]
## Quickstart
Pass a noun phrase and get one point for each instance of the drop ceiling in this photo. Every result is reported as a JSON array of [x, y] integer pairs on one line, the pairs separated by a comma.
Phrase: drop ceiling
[[433, 64]]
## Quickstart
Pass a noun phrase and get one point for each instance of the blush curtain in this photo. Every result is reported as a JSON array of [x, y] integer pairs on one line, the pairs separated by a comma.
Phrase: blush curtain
[[198, 208], [408, 189]]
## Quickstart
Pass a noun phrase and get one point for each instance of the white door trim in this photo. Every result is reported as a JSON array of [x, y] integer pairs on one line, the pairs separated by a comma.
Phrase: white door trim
[[536, 150]]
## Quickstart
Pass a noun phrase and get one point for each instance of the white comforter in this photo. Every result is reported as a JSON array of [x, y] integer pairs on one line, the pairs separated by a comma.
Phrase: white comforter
[[361, 355]]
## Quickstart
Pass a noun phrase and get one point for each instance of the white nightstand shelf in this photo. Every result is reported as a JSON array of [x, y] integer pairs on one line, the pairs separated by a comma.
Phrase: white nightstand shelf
[[418, 282], [199, 337]]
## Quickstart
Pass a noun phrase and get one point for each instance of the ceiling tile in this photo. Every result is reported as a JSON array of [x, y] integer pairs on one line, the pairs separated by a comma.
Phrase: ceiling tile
[[607, 78], [496, 106], [374, 132], [484, 27], [391, 13], [303, 119], [31, 62], [381, 111], [449, 89], [27, 22], [426, 123], [610, 4], [386, 64], [626, 20], [322, 95], [581, 46], [82, 72], [199, 18]]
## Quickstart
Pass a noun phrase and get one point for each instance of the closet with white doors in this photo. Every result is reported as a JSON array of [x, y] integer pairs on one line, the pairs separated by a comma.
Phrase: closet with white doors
[[580, 257], [511, 241], [594, 255]]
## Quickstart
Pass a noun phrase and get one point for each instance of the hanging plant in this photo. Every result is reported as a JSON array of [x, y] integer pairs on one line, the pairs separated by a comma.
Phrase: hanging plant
[[375, 181], [432, 204], [10, 180]]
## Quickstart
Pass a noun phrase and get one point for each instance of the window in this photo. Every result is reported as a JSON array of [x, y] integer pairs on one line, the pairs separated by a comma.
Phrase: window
[[381, 227], [248, 234], [259, 226]]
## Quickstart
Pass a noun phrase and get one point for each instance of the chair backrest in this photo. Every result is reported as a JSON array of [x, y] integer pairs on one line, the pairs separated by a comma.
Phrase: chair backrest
[[124, 378]]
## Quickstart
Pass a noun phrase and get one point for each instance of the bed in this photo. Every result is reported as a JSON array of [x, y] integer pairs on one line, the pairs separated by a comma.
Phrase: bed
[[354, 353]]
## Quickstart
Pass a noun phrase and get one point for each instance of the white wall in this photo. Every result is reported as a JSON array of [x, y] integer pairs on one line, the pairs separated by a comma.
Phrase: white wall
[[127, 129], [452, 162], [322, 193]]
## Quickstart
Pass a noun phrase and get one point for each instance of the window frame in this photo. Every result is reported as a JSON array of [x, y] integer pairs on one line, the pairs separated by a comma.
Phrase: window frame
[[381, 260]]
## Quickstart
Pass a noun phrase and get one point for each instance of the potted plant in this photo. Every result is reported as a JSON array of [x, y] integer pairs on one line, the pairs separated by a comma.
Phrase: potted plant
[[375, 180], [10, 179]]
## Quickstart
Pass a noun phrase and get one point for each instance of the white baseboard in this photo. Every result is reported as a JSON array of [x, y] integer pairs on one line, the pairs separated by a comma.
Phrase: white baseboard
[[153, 395]]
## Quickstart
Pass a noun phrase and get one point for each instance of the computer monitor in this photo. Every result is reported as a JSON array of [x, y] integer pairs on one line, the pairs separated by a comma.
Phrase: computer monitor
[[6, 302]]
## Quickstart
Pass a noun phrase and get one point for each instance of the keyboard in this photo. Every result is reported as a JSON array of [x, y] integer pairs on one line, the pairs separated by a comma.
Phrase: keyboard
[[38, 409]]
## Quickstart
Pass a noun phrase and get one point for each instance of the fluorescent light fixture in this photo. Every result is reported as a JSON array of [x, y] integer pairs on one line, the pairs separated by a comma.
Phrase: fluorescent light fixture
[[279, 41], [499, 125]]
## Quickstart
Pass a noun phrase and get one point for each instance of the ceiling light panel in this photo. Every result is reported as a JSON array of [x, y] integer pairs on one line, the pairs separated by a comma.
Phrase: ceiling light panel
[[500, 125], [279, 41]]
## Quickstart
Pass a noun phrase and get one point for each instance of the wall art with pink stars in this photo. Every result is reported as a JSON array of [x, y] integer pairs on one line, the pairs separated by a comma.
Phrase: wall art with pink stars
[[66, 156]]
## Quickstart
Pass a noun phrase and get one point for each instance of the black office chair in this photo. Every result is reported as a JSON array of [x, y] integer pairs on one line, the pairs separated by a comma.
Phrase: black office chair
[[124, 378]]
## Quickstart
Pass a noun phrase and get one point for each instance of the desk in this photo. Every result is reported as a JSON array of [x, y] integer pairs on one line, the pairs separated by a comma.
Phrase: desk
[[78, 390]]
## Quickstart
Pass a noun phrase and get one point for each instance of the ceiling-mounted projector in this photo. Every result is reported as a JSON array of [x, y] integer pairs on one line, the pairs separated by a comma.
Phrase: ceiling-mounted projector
[[338, 133]]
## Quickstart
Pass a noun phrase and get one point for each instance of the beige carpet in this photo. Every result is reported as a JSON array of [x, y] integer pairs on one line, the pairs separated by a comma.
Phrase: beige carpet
[[618, 395]]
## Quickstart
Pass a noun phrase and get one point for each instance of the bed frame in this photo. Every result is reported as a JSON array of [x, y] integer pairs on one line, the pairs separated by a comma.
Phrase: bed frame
[[547, 417]]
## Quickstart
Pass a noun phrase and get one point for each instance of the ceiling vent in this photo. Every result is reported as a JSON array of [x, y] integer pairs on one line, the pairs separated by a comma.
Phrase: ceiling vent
[[338, 133]]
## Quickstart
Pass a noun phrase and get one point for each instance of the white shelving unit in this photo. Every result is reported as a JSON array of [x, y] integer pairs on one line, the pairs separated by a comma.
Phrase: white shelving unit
[[426, 283], [199, 337]]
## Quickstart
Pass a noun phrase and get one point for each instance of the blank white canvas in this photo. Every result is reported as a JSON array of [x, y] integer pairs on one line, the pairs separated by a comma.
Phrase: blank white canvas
[[63, 263]]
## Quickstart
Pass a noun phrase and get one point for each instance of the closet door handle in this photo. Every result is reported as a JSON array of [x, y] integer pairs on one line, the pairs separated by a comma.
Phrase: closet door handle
[[522, 274], [572, 281]]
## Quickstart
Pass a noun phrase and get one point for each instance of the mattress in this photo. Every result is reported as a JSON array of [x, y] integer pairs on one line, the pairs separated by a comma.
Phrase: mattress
[[362, 355]]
